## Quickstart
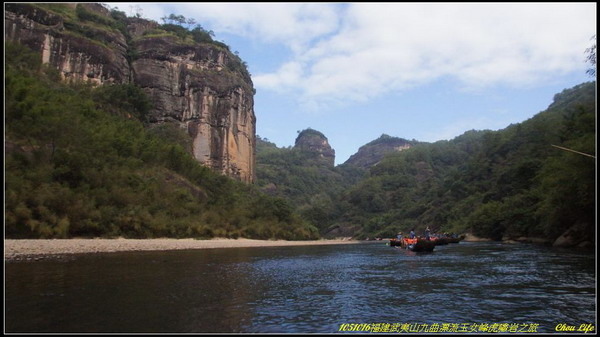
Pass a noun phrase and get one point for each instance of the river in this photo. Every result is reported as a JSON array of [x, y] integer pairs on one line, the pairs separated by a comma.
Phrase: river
[[370, 287]]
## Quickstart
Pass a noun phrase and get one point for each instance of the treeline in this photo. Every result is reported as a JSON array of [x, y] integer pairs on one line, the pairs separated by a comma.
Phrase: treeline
[[83, 21], [495, 184], [303, 178], [79, 161]]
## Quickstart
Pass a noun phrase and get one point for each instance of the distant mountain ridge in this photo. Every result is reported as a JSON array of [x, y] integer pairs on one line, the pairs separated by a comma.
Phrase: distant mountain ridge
[[373, 152], [509, 184]]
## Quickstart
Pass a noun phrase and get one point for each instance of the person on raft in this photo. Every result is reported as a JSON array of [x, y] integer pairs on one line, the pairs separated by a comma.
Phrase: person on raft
[[427, 231]]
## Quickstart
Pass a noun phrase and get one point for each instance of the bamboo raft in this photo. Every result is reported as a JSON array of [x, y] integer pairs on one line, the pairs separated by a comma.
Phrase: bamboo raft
[[415, 245]]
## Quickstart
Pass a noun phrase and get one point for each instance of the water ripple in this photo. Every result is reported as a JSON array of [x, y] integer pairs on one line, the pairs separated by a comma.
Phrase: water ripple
[[302, 289]]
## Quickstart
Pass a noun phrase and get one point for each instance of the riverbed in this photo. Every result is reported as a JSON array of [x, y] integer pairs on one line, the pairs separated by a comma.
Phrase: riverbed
[[38, 249]]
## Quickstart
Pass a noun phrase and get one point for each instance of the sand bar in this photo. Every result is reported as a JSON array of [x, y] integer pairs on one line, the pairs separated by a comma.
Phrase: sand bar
[[21, 249]]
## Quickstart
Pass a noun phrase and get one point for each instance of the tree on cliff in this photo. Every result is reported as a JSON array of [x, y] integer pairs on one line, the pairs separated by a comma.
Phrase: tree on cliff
[[174, 19], [181, 20], [591, 58], [177, 24]]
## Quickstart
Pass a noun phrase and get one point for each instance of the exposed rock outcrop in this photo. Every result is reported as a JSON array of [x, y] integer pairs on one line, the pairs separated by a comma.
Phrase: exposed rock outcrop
[[579, 235], [193, 86], [315, 143], [202, 87], [65, 44], [372, 153]]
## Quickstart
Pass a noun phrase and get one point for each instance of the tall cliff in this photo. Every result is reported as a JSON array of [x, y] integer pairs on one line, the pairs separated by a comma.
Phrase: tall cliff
[[201, 86]]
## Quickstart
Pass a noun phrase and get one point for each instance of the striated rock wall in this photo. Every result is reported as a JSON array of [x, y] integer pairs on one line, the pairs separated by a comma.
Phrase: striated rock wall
[[63, 44], [200, 86], [192, 85]]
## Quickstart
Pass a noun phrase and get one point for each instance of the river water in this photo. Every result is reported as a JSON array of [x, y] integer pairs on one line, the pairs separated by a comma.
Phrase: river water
[[306, 289]]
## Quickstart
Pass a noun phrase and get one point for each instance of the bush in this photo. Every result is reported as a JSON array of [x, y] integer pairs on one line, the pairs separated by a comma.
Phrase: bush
[[79, 164], [85, 15], [125, 100]]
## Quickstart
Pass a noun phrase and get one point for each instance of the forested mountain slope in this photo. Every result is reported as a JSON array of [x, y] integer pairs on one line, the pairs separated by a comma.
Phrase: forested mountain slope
[[80, 161], [495, 184], [511, 183]]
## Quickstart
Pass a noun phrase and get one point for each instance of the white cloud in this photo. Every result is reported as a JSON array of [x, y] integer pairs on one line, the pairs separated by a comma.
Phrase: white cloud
[[285, 77], [292, 24], [380, 48], [357, 51]]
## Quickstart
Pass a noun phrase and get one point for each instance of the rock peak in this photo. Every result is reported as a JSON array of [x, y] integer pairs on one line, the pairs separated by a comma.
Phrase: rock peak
[[370, 154], [314, 142]]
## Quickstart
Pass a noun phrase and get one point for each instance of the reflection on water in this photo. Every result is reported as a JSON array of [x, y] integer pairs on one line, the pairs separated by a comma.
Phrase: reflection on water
[[300, 289]]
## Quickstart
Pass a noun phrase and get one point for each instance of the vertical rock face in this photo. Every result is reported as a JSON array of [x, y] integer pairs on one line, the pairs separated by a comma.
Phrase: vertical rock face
[[193, 85], [200, 86], [64, 44], [315, 143]]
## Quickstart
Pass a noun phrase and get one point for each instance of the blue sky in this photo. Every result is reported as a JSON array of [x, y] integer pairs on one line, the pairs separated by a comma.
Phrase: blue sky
[[418, 71]]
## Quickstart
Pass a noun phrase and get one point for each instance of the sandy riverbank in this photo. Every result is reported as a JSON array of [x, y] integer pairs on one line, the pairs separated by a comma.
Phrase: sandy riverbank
[[20, 249]]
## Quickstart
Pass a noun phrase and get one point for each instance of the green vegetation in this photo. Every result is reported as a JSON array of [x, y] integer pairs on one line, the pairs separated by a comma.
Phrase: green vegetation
[[310, 133], [175, 25], [309, 184], [66, 11], [495, 184], [80, 162], [506, 183], [83, 20], [86, 15], [79, 20]]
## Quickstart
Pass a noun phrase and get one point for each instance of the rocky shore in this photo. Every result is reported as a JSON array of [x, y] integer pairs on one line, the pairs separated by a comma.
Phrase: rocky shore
[[38, 249]]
